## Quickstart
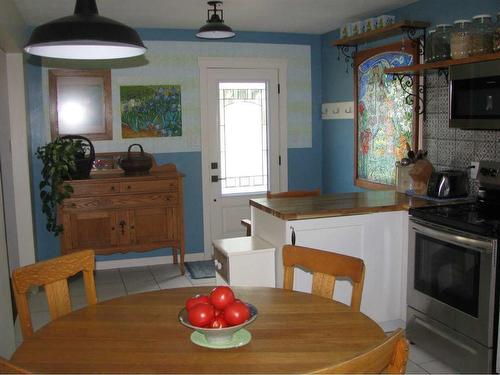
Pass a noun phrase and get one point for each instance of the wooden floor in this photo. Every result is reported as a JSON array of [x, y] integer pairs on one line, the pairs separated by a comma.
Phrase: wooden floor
[[116, 283]]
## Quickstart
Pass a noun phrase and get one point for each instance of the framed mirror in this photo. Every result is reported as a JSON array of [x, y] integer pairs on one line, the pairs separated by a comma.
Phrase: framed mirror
[[80, 103]]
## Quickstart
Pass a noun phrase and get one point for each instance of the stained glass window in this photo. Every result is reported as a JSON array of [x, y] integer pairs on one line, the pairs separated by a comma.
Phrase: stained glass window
[[385, 121]]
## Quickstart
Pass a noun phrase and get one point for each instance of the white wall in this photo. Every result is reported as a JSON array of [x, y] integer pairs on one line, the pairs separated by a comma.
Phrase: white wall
[[13, 32], [6, 326], [14, 161], [20, 161]]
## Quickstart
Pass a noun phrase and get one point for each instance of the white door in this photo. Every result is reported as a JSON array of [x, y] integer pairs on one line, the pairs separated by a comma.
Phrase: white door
[[244, 154]]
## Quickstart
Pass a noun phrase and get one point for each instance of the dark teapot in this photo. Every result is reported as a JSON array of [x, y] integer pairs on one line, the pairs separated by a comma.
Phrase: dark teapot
[[135, 163]]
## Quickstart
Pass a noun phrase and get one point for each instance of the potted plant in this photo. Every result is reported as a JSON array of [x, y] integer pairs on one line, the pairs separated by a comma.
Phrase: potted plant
[[65, 158]]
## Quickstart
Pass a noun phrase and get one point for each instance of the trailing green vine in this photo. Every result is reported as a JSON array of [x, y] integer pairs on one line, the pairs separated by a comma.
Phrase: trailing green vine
[[58, 158]]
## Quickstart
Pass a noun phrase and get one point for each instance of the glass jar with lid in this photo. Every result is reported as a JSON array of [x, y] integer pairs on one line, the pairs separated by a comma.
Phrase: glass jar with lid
[[441, 42], [482, 34], [496, 35], [429, 54], [461, 39]]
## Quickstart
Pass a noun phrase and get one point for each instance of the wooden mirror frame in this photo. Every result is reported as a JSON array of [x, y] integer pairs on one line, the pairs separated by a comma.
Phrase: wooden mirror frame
[[406, 46], [105, 75]]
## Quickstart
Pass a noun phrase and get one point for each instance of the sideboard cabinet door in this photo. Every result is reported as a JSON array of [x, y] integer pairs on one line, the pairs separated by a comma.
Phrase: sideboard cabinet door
[[156, 225], [92, 229]]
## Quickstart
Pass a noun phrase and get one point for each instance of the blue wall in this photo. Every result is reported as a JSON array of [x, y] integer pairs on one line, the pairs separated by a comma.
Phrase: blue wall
[[338, 135], [304, 164]]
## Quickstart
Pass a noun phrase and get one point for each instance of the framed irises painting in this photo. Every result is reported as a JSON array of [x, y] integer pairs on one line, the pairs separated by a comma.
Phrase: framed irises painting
[[151, 111], [386, 122]]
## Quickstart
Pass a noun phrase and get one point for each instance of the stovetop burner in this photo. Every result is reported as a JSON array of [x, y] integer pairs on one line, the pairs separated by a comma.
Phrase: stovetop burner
[[481, 217], [468, 217]]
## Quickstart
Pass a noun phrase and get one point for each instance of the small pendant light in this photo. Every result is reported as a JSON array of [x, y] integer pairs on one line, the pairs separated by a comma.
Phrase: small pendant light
[[215, 27], [85, 36]]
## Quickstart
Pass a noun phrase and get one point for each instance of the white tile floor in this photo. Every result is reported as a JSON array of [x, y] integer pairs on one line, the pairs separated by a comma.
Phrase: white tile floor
[[119, 282]]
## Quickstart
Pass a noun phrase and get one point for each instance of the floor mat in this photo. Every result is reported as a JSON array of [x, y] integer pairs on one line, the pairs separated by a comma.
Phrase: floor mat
[[202, 269]]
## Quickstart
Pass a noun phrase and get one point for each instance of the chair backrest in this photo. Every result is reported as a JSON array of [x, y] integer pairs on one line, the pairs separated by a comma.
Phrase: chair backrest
[[7, 367], [326, 268], [389, 357], [294, 193], [53, 275]]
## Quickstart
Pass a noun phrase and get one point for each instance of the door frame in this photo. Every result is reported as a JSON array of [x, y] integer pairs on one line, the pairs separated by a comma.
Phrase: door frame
[[206, 63]]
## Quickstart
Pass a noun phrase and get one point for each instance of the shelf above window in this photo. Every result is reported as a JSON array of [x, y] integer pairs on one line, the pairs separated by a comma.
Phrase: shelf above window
[[397, 28], [440, 65]]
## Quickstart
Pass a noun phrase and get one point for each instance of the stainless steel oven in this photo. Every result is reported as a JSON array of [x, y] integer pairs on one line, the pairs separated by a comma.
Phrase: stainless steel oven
[[451, 294]]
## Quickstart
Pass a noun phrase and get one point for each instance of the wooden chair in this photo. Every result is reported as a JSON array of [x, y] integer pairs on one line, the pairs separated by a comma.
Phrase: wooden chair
[[285, 194], [7, 367], [53, 275], [389, 357], [326, 267]]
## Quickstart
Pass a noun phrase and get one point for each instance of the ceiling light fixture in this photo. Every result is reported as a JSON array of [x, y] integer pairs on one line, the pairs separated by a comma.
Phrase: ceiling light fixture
[[215, 27], [85, 36]]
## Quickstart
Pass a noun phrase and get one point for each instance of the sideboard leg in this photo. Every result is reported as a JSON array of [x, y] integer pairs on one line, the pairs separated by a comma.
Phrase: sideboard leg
[[174, 255], [181, 264]]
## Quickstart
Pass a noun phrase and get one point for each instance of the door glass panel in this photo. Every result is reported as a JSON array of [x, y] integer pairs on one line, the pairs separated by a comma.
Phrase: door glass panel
[[448, 273], [243, 137]]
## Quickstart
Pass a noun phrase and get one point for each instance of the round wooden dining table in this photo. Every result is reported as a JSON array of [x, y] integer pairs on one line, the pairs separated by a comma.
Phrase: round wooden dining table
[[140, 333]]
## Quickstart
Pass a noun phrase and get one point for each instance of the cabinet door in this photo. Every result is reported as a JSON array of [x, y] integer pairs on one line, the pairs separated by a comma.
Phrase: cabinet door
[[157, 224], [93, 229]]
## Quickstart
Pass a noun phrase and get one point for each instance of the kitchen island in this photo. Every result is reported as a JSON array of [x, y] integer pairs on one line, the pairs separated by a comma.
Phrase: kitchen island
[[370, 225]]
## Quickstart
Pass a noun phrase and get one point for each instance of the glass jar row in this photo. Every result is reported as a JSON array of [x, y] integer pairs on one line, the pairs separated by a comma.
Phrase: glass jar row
[[463, 39]]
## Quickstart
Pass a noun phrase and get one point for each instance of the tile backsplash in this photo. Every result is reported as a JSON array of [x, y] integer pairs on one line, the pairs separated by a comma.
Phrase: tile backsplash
[[448, 147]]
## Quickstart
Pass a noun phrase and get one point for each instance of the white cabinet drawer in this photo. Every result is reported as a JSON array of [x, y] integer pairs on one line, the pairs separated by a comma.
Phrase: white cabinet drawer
[[244, 261]]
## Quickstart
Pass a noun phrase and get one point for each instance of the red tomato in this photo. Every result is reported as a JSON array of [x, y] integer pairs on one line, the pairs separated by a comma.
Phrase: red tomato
[[196, 300], [218, 322], [236, 313], [201, 315], [221, 296], [217, 312]]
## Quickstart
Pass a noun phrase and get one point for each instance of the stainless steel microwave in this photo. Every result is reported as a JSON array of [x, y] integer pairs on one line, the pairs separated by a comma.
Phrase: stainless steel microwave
[[475, 96]]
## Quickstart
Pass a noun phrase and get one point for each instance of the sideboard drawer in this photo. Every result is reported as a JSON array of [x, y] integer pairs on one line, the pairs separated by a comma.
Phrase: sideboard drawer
[[148, 186], [86, 189], [121, 201]]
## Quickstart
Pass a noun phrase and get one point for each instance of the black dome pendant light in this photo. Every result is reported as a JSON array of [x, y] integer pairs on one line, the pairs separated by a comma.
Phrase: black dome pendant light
[[215, 27], [85, 36]]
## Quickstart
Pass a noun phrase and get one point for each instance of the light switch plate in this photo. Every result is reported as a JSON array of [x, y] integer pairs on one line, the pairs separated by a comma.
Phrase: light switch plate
[[337, 111]]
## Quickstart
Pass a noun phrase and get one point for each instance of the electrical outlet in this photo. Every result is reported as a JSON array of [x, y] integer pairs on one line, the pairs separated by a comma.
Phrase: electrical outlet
[[474, 169]]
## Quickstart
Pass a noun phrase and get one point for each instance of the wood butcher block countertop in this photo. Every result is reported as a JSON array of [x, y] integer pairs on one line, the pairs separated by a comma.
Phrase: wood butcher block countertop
[[341, 204]]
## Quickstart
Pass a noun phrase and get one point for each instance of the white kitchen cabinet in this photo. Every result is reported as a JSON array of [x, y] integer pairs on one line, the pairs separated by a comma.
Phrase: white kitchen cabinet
[[380, 239], [244, 261]]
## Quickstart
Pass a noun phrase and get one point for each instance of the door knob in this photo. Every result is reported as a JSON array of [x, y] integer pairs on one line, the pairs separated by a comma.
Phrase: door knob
[[217, 178]]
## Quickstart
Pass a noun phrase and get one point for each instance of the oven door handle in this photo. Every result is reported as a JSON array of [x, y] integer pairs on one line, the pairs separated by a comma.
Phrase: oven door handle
[[482, 246]]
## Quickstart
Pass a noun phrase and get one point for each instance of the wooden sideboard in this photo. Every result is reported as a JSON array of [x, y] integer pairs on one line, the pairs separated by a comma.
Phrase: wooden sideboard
[[112, 213]]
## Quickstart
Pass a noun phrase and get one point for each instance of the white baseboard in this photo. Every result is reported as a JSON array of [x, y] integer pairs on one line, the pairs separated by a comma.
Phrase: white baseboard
[[147, 261], [391, 325]]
